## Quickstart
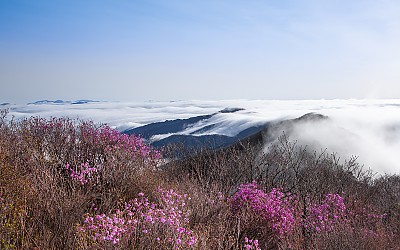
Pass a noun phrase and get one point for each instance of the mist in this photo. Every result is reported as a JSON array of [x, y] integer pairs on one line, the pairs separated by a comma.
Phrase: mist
[[368, 129], [375, 146]]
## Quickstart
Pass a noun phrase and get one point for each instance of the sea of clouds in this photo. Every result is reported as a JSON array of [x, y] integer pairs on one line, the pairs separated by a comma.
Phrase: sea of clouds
[[369, 129]]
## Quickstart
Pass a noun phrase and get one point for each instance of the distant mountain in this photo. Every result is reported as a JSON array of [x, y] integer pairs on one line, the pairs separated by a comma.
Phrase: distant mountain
[[166, 127], [62, 102], [275, 129], [83, 101], [49, 102], [213, 141], [200, 133], [170, 132]]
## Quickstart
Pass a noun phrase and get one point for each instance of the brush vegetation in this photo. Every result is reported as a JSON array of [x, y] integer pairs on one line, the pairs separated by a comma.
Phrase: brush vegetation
[[68, 184]]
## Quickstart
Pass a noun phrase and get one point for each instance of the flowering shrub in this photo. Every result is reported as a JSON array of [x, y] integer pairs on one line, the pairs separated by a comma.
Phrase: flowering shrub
[[273, 208], [164, 222], [65, 140], [44, 202], [117, 144], [250, 244], [324, 216], [83, 174]]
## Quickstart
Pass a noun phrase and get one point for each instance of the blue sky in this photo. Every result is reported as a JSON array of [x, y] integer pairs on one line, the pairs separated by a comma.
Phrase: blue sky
[[210, 49]]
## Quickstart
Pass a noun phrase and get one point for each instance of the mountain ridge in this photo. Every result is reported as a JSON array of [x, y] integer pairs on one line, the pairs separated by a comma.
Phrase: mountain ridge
[[171, 131]]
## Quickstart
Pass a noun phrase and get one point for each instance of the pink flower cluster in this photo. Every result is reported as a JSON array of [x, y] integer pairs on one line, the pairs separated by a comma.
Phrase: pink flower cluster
[[83, 173], [324, 216], [165, 222], [175, 214], [273, 208], [52, 123], [281, 214], [107, 228], [116, 141], [250, 244]]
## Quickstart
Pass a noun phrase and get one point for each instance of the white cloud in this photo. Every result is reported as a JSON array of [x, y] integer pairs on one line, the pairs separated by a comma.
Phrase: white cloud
[[367, 128]]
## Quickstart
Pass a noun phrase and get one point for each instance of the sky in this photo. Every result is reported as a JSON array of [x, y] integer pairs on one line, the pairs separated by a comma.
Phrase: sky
[[120, 50]]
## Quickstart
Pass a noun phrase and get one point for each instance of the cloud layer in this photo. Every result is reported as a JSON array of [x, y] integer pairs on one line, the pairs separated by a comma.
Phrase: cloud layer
[[369, 129]]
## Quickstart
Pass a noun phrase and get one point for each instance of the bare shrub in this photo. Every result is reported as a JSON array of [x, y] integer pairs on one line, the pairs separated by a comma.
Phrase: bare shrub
[[34, 178], [56, 174]]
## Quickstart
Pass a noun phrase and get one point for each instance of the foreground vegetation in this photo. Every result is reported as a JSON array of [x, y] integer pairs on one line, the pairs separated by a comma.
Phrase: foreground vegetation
[[78, 185]]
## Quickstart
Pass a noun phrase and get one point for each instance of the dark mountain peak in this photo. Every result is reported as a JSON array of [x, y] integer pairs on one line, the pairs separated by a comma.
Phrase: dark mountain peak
[[230, 110], [311, 117], [272, 130], [49, 102], [83, 101]]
